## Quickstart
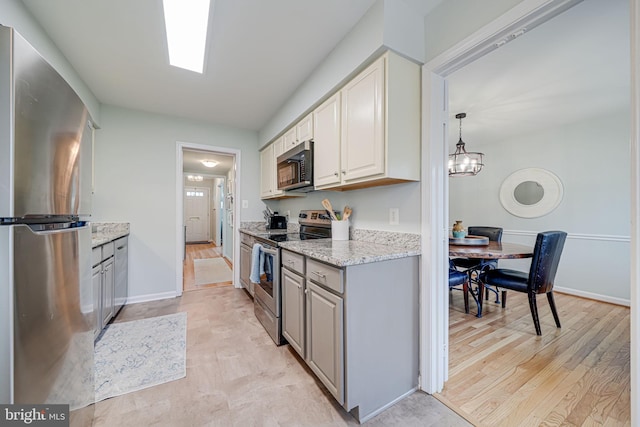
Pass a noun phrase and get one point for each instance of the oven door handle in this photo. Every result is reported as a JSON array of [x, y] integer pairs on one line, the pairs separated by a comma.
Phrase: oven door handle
[[270, 251]]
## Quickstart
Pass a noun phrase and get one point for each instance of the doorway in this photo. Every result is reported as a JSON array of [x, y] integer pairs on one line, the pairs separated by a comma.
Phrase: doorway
[[207, 178], [434, 347]]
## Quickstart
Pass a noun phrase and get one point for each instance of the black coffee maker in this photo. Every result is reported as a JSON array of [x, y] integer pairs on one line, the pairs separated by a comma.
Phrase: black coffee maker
[[277, 222]]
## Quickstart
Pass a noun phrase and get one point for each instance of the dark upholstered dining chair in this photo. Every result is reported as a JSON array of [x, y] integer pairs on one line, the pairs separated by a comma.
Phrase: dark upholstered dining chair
[[457, 278], [539, 280]]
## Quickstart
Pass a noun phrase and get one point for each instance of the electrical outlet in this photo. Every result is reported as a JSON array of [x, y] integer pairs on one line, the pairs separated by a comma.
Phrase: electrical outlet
[[394, 216], [245, 204], [288, 214]]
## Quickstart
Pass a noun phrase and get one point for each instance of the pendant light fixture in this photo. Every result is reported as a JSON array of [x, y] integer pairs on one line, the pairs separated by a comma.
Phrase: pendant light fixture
[[463, 163]]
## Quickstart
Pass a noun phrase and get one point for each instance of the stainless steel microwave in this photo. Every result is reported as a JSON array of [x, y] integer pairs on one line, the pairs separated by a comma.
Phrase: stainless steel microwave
[[295, 168]]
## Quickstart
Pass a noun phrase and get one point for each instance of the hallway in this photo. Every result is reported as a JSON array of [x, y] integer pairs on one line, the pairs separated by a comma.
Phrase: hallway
[[204, 251]]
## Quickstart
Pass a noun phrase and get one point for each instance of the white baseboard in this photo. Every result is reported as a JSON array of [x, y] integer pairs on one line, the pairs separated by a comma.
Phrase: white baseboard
[[590, 295], [151, 297]]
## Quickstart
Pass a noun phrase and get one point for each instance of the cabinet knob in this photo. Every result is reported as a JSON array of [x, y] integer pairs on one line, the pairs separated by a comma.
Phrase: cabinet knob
[[335, 173], [344, 172]]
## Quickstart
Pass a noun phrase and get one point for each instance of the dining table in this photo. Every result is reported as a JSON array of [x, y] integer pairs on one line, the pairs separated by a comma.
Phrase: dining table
[[492, 250]]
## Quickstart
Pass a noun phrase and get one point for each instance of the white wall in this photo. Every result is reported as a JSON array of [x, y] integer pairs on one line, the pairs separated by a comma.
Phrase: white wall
[[590, 158], [135, 168], [14, 14], [370, 206], [453, 20], [387, 24]]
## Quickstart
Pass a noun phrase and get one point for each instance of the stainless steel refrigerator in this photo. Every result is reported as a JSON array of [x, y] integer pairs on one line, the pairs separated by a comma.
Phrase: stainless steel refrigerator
[[46, 298]]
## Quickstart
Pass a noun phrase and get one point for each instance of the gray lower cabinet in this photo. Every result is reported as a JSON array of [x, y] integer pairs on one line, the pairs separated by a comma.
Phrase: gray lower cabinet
[[356, 327], [108, 283], [325, 352], [103, 282], [293, 313], [246, 247], [121, 273]]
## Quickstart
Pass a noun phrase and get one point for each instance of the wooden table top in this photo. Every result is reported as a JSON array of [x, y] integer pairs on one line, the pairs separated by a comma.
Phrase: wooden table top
[[494, 250]]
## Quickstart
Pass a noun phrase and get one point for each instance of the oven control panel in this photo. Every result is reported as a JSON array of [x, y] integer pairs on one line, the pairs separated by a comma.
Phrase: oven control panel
[[314, 217]]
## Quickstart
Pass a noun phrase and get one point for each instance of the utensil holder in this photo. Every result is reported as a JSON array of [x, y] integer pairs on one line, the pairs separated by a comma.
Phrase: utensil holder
[[340, 230]]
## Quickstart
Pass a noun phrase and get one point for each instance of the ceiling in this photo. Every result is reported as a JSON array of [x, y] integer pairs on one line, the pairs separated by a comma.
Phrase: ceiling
[[569, 69], [192, 163], [258, 53]]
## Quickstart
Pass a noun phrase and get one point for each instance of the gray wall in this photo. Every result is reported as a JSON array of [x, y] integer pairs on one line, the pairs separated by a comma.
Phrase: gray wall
[[14, 14], [388, 24], [590, 158], [135, 181]]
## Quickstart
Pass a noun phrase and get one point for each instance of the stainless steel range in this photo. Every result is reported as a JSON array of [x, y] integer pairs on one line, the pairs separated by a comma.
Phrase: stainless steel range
[[314, 224]]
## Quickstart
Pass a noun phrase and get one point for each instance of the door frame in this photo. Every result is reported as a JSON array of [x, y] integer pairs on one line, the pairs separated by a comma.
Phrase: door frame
[[236, 153], [434, 358]]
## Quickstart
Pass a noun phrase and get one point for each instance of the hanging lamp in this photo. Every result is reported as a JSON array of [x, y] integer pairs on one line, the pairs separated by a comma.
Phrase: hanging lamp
[[463, 163]]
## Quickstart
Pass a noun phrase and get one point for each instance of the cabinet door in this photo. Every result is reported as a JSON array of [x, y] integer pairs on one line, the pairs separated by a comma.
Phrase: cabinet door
[[325, 350], [278, 148], [96, 281], [326, 147], [289, 139], [304, 128], [108, 284], [267, 171], [293, 309], [245, 267], [363, 142]]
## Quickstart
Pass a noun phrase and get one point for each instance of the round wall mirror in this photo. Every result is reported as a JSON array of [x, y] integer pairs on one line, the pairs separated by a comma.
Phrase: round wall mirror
[[531, 192], [528, 192]]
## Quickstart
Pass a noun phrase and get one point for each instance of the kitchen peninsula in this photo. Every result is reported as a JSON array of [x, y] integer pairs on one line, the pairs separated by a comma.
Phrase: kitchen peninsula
[[351, 311]]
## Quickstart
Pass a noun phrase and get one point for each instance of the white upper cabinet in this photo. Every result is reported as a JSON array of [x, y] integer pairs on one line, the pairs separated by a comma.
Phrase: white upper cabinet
[[269, 170], [289, 138], [363, 124], [304, 128], [326, 146], [300, 132], [378, 141]]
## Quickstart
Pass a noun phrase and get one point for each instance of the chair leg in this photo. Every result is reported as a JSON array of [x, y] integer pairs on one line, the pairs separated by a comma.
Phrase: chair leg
[[552, 304], [504, 299], [534, 312], [480, 293], [465, 290]]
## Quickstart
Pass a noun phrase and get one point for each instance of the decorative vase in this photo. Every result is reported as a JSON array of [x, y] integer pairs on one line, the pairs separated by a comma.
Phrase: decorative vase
[[458, 230]]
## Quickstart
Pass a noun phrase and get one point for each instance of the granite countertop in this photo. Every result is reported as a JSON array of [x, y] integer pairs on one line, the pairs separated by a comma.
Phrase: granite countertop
[[343, 253], [264, 233], [105, 232]]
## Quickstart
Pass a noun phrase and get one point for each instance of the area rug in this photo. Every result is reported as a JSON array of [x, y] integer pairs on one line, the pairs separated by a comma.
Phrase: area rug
[[131, 356], [211, 270]]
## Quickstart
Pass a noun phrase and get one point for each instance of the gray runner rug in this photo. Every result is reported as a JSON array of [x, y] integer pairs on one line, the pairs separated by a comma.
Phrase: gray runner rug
[[131, 356]]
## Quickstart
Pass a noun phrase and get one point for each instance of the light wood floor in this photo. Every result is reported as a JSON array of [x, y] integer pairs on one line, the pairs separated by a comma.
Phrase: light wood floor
[[200, 251], [237, 376], [502, 374]]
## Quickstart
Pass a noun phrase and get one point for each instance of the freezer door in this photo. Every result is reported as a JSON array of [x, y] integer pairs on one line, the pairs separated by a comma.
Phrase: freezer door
[[52, 140], [53, 317]]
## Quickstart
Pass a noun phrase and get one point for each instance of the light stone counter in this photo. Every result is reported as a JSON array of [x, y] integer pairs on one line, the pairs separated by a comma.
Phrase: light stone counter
[[348, 252], [105, 232]]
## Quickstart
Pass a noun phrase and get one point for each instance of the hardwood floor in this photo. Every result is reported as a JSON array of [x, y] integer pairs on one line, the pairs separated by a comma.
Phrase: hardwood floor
[[237, 376], [502, 374], [201, 251]]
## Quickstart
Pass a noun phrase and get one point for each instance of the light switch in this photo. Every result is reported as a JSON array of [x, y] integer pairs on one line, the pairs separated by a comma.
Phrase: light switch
[[245, 204]]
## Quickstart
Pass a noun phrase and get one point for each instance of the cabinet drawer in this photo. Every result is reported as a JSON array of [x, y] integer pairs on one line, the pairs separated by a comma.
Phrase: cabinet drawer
[[325, 275], [96, 256], [246, 239], [107, 250], [293, 261]]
